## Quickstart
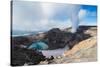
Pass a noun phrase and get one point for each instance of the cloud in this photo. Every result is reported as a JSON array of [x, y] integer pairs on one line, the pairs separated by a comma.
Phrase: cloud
[[25, 13], [82, 14], [29, 16], [87, 17]]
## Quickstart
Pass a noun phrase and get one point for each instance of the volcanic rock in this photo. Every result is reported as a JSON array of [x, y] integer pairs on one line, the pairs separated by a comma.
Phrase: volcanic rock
[[82, 46], [83, 51], [26, 40], [57, 38], [21, 56]]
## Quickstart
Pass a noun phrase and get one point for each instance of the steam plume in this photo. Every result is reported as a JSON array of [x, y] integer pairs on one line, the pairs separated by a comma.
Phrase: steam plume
[[72, 11], [74, 17]]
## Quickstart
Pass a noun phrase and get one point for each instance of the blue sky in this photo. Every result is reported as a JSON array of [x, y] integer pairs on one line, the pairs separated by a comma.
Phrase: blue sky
[[91, 13], [29, 16], [91, 16]]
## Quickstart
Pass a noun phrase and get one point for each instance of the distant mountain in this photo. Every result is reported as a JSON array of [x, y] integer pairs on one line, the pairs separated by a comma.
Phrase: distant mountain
[[22, 33]]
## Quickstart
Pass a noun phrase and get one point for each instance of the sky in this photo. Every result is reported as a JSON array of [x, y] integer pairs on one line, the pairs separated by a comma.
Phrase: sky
[[38, 16]]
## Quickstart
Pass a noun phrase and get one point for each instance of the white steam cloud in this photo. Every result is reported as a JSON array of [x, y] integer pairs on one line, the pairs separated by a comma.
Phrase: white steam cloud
[[72, 11], [37, 16]]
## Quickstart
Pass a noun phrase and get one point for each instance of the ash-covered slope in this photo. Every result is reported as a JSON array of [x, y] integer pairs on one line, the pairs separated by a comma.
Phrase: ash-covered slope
[[83, 51]]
